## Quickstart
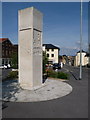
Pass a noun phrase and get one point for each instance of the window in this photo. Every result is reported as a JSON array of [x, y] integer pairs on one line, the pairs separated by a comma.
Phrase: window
[[6, 61], [2, 61], [47, 49], [47, 55], [52, 55], [52, 49], [3, 53], [6, 53]]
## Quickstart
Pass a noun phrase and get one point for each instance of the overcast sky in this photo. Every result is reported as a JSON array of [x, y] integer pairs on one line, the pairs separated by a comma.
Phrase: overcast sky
[[61, 23]]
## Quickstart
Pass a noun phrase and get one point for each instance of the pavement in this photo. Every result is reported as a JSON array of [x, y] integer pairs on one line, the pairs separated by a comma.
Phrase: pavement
[[51, 89], [4, 73], [73, 105]]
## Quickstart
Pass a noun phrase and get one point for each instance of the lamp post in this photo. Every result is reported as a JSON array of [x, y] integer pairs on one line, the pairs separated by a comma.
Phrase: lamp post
[[80, 77]]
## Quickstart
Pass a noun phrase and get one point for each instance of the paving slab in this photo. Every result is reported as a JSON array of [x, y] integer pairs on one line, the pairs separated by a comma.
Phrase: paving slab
[[51, 89]]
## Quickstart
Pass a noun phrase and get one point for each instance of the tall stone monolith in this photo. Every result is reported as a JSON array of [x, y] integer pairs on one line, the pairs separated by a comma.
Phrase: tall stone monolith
[[30, 48]]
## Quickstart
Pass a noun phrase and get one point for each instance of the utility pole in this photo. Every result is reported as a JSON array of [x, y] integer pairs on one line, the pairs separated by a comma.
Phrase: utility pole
[[80, 77], [89, 31]]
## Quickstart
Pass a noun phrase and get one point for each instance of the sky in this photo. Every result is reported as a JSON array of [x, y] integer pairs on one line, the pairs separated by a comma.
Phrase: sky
[[61, 23]]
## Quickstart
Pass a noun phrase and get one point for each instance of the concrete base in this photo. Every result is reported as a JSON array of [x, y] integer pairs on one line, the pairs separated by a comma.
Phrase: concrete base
[[24, 86], [51, 89]]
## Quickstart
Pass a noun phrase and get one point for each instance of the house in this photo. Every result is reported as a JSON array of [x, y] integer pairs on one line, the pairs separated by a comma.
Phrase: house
[[52, 52], [85, 58], [71, 60], [7, 49], [62, 59]]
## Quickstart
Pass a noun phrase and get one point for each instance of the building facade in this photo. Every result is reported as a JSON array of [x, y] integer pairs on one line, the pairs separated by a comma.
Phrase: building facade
[[7, 49], [62, 59], [85, 58], [52, 53], [71, 60]]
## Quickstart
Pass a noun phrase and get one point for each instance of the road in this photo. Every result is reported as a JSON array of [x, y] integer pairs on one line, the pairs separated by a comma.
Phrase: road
[[74, 105], [4, 73]]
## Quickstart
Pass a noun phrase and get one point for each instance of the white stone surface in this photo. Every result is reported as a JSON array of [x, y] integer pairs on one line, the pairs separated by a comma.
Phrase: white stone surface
[[30, 48], [25, 18], [51, 89]]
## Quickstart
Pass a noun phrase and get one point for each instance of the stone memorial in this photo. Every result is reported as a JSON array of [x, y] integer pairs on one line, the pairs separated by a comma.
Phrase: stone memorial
[[30, 48]]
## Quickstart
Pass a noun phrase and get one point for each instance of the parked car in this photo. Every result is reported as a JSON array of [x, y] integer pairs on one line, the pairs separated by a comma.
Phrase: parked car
[[56, 66], [5, 66], [8, 66], [1, 66]]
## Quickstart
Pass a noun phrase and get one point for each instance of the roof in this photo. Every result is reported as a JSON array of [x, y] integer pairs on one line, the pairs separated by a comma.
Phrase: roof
[[82, 51], [3, 39], [87, 55], [16, 45], [50, 46]]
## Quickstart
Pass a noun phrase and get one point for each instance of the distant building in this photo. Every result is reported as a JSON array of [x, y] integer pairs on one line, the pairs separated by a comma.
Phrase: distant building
[[7, 49], [62, 59], [71, 60], [52, 53], [85, 58]]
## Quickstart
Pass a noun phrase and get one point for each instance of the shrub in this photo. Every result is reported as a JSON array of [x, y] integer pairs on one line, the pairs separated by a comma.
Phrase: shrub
[[45, 61], [51, 73], [13, 74], [14, 59], [60, 75]]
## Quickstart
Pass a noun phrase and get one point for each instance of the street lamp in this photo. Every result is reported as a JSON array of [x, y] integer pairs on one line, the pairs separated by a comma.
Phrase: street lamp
[[80, 77]]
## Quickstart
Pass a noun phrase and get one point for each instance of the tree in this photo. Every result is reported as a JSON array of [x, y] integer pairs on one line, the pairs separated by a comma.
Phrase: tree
[[14, 60], [45, 61]]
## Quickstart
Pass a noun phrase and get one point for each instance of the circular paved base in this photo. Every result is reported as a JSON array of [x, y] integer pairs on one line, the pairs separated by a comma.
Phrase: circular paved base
[[51, 90]]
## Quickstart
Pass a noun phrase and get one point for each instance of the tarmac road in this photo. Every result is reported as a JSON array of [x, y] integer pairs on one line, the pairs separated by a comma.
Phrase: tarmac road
[[5, 73], [74, 105]]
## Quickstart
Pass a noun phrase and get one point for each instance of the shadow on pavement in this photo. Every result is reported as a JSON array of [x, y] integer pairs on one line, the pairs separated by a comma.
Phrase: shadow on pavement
[[73, 75], [9, 88]]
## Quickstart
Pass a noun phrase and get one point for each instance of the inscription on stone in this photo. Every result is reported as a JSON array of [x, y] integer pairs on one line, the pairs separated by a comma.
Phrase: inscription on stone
[[37, 50]]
